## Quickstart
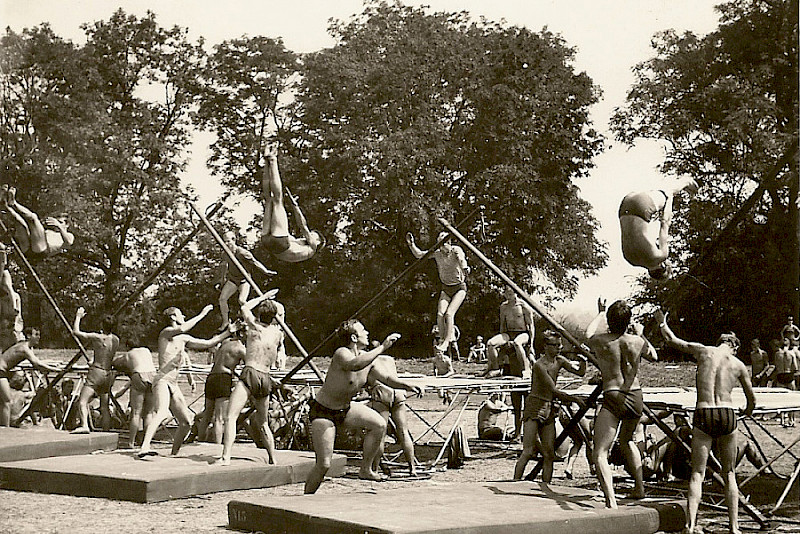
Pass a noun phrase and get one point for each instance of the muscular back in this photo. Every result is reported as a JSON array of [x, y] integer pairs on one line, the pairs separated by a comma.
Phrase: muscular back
[[136, 360], [105, 347], [227, 356], [718, 371], [616, 355]]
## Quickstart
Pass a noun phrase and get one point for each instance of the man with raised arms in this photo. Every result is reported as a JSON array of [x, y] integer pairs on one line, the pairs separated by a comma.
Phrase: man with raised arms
[[539, 418], [275, 231], [617, 356], [718, 371], [636, 212], [264, 337], [347, 374], [100, 377], [137, 363], [167, 396], [9, 359]]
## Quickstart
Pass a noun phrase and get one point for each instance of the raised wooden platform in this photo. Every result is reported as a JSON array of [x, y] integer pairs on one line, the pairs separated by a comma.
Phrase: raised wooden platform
[[497, 507], [29, 443], [120, 475]]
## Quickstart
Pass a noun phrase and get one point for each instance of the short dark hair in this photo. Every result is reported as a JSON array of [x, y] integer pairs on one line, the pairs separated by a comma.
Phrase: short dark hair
[[109, 323], [267, 311], [661, 272], [729, 338], [347, 329], [618, 317]]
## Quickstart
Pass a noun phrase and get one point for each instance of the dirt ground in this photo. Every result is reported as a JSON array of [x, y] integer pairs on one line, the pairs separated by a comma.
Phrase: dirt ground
[[22, 512]]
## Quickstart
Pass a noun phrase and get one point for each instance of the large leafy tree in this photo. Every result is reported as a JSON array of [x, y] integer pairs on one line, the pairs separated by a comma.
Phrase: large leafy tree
[[99, 131], [726, 105], [408, 117]]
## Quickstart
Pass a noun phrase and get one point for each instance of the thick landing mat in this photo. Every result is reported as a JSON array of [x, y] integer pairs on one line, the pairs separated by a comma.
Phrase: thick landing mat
[[496, 507], [121, 476], [29, 443]]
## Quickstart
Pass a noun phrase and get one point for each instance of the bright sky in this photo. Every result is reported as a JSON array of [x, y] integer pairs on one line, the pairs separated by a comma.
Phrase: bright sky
[[611, 36]]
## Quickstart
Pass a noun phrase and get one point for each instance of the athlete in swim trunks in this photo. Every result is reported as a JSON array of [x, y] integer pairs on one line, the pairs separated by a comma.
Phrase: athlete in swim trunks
[[137, 363], [539, 431], [636, 212], [617, 354], [718, 371], [261, 350], [100, 377], [390, 402], [346, 376], [219, 385], [9, 359], [167, 396], [451, 264], [233, 279], [39, 240], [275, 231]]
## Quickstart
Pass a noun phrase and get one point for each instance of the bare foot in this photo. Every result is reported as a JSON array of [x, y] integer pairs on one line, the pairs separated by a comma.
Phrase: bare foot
[[222, 462], [635, 494], [81, 430], [371, 475]]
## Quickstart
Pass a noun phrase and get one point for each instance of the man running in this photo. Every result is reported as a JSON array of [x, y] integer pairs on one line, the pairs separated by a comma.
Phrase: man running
[[451, 264], [636, 212], [100, 377], [167, 396], [617, 354], [275, 231], [264, 337], [718, 371], [332, 408]]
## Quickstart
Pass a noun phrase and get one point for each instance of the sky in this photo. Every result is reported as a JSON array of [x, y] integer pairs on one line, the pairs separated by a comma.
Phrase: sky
[[610, 37]]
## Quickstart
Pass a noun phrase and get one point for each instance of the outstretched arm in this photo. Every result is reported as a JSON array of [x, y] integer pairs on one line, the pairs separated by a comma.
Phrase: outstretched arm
[[415, 250], [747, 386], [673, 340], [663, 234], [85, 337], [204, 344], [299, 218], [191, 323], [352, 362], [39, 364], [591, 330], [247, 307]]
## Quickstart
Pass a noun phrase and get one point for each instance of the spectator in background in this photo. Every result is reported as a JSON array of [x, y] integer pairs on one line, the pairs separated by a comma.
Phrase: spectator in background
[[791, 330], [477, 352], [759, 361]]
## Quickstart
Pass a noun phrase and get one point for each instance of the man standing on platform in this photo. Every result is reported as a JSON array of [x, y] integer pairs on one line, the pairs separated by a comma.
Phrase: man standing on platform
[[137, 363], [718, 371], [617, 355], [350, 366], [9, 359], [100, 377], [167, 395]]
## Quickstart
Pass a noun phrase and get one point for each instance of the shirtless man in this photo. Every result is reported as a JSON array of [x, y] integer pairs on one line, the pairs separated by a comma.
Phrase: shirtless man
[[790, 330], [636, 212], [539, 418], [347, 374], [516, 331], [137, 363], [451, 264], [488, 413], [391, 404], [759, 362], [233, 279], [11, 323], [261, 350], [29, 232], [100, 377], [9, 359], [219, 385], [718, 371], [617, 354], [275, 231], [167, 396]]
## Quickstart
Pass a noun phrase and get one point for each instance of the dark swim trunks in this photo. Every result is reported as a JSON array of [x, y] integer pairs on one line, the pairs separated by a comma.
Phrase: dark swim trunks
[[451, 291], [318, 411], [784, 379], [218, 385], [716, 421], [639, 205], [142, 382], [276, 244], [537, 409], [258, 382], [623, 404]]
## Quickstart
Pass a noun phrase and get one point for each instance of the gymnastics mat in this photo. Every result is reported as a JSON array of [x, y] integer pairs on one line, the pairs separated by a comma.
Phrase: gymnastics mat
[[30, 443], [120, 475], [497, 507]]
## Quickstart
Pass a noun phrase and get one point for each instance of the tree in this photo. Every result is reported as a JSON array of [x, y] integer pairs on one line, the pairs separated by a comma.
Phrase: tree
[[726, 106], [99, 131], [408, 117]]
